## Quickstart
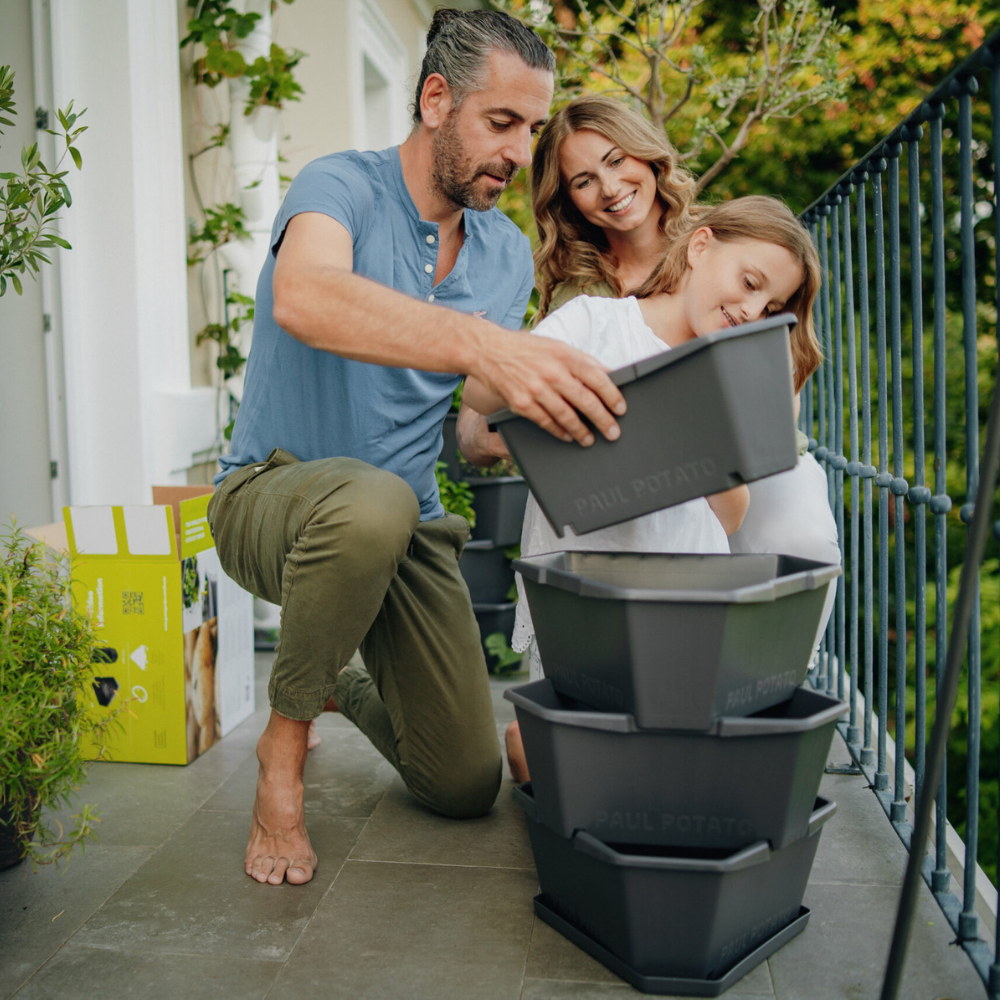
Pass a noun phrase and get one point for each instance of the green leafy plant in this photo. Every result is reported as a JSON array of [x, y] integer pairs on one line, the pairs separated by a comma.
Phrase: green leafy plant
[[507, 661], [229, 361], [456, 498], [46, 651], [31, 196], [219, 28], [223, 223]]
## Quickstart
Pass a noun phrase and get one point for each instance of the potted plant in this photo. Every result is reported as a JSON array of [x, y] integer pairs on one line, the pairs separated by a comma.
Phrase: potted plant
[[46, 650]]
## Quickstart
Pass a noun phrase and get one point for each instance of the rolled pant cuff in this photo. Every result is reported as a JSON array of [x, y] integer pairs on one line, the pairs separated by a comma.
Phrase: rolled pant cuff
[[302, 706]]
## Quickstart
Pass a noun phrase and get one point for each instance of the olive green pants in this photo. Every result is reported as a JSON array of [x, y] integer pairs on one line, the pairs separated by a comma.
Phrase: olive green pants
[[339, 545]]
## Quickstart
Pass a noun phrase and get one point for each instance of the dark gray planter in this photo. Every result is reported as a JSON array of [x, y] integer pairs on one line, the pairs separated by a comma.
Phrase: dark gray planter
[[688, 915], [747, 779], [487, 572], [705, 416], [676, 641], [449, 448], [11, 849], [499, 502]]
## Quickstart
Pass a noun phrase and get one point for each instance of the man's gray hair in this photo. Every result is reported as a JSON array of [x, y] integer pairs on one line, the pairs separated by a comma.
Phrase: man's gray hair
[[459, 43]]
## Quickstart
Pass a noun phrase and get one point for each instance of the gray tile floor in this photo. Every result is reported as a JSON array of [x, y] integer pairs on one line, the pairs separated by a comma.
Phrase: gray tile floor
[[404, 904]]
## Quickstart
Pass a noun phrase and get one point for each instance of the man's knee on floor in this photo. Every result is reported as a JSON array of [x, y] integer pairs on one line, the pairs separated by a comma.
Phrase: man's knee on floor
[[467, 791]]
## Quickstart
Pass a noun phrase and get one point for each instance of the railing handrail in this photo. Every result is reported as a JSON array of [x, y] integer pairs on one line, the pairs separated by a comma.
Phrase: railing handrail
[[986, 56]]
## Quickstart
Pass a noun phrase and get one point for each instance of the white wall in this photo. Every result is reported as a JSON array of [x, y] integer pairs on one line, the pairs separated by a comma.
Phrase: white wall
[[133, 419]]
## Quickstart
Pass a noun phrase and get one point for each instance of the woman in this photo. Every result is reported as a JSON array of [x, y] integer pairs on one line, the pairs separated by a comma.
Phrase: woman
[[608, 194]]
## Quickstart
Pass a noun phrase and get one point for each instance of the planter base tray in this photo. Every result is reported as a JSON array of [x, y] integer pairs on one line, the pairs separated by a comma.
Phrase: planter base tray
[[670, 985]]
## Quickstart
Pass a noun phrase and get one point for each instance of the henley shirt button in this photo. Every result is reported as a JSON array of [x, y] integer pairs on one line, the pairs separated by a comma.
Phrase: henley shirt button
[[428, 268], [430, 298], [430, 238]]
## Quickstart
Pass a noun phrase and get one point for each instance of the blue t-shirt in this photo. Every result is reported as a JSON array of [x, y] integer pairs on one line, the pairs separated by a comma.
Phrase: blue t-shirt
[[315, 404]]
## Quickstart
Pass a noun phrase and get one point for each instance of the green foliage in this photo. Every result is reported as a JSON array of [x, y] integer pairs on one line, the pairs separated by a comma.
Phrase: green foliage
[[46, 648], [456, 498], [271, 80], [219, 29], [222, 224], [713, 73], [225, 335], [506, 660], [31, 197]]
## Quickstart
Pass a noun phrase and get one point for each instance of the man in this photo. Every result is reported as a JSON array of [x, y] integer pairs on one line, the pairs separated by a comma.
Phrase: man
[[328, 503]]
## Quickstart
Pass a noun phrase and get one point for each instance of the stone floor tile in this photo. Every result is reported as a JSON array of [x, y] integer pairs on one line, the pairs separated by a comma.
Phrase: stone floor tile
[[403, 830], [552, 989], [843, 951], [857, 845], [143, 804], [414, 932], [79, 973], [193, 895], [345, 775], [40, 909], [553, 958]]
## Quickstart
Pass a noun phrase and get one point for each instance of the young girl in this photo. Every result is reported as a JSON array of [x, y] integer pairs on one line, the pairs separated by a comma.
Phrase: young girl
[[738, 262]]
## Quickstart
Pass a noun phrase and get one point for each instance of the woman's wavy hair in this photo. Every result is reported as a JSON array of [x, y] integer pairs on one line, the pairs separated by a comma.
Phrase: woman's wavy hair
[[765, 220], [570, 248]]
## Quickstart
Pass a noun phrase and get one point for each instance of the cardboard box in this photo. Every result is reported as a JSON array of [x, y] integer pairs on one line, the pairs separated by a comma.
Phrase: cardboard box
[[177, 632]]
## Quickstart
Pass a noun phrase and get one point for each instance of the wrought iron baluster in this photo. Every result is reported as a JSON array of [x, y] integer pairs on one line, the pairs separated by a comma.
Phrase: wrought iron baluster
[[940, 503], [868, 470], [919, 494], [898, 485], [854, 466], [883, 479], [995, 135], [837, 461], [968, 924]]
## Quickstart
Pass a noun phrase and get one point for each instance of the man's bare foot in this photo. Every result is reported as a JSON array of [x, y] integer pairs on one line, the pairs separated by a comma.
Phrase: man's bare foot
[[515, 754], [279, 849], [313, 738]]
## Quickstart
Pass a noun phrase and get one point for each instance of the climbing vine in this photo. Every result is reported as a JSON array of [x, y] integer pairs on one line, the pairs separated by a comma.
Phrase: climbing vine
[[215, 33]]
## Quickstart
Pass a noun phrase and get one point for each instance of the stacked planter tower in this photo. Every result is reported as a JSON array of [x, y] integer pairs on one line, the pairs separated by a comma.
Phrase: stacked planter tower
[[675, 759], [499, 503]]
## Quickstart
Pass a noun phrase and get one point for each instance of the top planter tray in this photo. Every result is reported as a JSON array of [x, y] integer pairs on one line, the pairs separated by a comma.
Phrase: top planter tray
[[702, 417]]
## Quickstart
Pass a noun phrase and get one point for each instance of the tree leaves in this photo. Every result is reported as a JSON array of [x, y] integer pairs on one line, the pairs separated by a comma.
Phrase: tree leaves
[[30, 198]]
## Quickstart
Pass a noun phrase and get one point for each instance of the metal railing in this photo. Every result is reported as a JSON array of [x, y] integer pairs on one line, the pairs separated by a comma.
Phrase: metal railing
[[885, 272]]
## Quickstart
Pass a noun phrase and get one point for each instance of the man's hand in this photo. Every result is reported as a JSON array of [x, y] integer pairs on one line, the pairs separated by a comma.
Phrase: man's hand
[[477, 443], [548, 382]]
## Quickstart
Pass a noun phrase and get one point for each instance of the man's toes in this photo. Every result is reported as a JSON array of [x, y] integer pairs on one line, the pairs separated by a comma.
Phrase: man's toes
[[277, 875], [262, 866], [299, 873]]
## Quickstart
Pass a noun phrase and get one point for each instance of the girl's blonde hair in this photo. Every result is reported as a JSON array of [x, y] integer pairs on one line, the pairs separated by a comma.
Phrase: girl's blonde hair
[[764, 220], [571, 248]]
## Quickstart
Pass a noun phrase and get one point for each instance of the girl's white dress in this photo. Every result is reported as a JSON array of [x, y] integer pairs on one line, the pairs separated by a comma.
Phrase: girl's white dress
[[614, 332]]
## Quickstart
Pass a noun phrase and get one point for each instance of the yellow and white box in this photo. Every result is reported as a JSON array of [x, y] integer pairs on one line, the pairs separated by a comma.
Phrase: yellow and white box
[[176, 662]]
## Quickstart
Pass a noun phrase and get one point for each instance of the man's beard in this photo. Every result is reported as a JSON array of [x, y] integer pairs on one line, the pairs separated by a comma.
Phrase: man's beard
[[455, 179]]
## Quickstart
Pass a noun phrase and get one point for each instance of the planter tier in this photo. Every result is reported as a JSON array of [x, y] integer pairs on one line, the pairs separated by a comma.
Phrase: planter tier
[[499, 502], [747, 779], [666, 913], [677, 641], [739, 383], [487, 572]]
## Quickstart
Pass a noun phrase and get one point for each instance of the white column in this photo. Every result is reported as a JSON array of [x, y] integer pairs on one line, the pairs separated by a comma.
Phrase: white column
[[133, 418]]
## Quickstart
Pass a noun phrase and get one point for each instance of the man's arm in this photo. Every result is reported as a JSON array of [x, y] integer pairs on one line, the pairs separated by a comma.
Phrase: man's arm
[[319, 300]]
